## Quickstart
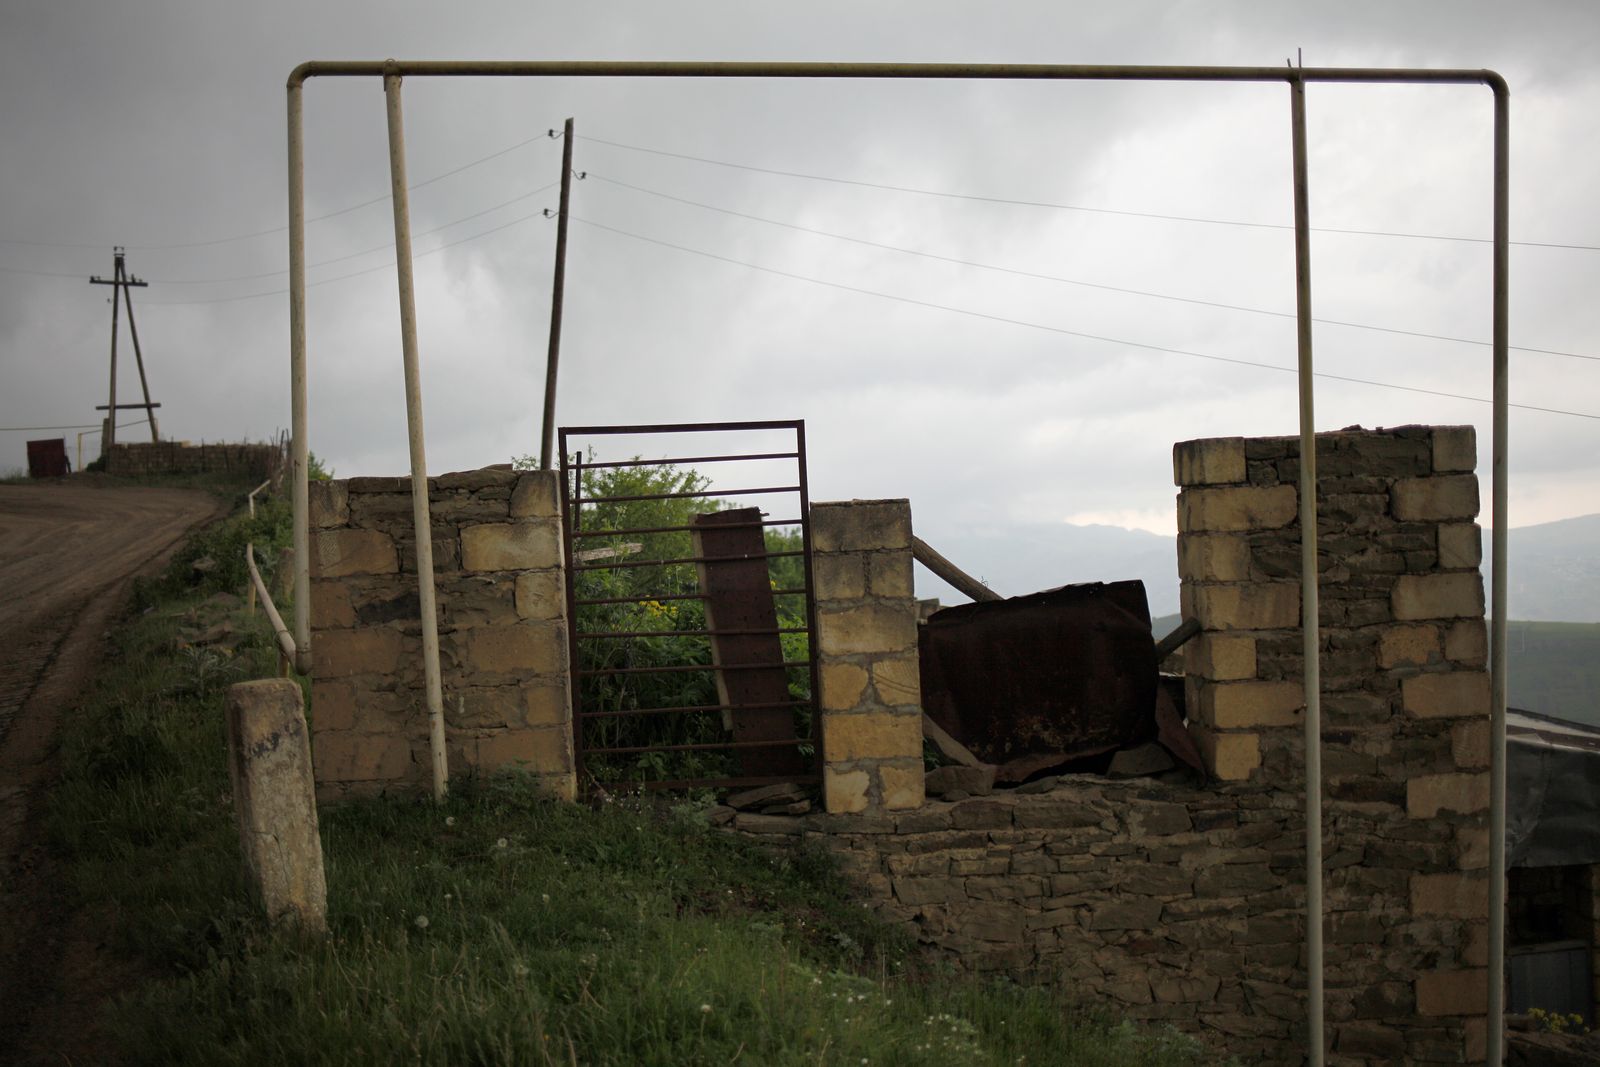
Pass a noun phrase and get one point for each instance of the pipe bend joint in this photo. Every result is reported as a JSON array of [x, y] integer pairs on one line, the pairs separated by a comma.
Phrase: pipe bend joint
[[1497, 83]]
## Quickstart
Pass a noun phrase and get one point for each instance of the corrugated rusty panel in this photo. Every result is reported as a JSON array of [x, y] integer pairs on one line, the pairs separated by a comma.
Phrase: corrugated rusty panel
[[744, 631], [1034, 681]]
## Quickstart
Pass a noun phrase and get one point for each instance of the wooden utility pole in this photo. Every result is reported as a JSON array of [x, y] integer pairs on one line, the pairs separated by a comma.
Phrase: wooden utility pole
[[556, 296], [121, 282]]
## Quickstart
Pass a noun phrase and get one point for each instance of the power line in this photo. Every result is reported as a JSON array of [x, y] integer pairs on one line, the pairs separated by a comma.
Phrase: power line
[[276, 229], [1065, 281], [1060, 330], [1070, 207]]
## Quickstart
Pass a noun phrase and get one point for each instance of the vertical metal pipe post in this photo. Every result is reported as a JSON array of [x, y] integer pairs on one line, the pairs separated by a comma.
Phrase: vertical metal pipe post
[[557, 299], [109, 436], [1501, 519], [419, 460], [299, 468], [1309, 622]]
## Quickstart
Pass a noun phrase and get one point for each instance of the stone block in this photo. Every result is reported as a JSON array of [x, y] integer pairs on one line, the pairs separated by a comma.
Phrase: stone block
[[1256, 606], [327, 504], [343, 757], [1467, 643], [1230, 757], [1214, 557], [889, 574], [840, 577], [539, 751], [843, 685], [1210, 461], [897, 681], [270, 765], [1373, 1041], [1455, 448], [1123, 915], [546, 705], [536, 495], [523, 649], [1237, 509], [511, 546], [861, 525], [1221, 657], [341, 553], [844, 792], [1469, 744], [330, 605], [1429, 795], [901, 785], [973, 781], [1472, 848], [368, 650], [541, 595], [1449, 694], [872, 735], [1464, 992], [496, 477], [1454, 595], [867, 629], [1460, 546], [1231, 705], [334, 706], [1408, 646], [1450, 895], [1442, 498]]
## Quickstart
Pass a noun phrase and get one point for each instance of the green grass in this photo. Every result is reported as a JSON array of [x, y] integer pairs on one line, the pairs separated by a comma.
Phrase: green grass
[[499, 928]]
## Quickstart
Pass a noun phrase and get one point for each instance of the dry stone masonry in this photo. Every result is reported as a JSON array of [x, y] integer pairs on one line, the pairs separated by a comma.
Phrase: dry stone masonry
[[180, 457], [502, 630], [867, 645]]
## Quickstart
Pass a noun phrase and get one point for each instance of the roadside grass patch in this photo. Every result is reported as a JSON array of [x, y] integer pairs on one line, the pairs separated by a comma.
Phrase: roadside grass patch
[[498, 928]]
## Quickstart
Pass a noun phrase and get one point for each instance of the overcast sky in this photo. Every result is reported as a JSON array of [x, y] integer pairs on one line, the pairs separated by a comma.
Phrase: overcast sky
[[987, 396]]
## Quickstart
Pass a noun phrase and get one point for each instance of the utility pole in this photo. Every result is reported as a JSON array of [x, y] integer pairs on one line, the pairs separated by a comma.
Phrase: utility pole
[[556, 296], [122, 282]]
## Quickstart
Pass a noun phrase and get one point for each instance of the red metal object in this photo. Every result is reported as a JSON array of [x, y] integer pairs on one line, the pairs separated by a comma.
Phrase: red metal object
[[1037, 681], [48, 459]]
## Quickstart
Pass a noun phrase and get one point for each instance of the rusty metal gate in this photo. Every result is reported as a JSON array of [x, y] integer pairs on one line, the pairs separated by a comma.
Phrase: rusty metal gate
[[689, 609]]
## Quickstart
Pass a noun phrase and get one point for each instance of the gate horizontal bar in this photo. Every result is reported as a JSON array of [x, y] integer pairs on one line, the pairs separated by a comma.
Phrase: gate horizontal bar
[[683, 529], [763, 705], [691, 633], [681, 496], [621, 786], [680, 427], [688, 459], [677, 560], [685, 668], [713, 746], [668, 596]]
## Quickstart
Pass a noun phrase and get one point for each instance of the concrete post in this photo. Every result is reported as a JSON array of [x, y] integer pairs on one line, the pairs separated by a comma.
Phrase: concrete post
[[269, 758]]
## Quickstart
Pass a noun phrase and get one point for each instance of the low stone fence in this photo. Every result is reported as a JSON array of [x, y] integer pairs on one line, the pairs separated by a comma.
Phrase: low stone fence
[[181, 457]]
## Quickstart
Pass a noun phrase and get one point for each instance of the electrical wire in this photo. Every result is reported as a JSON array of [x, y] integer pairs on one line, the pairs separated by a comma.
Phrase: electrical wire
[[593, 175], [278, 229], [1068, 207], [1057, 329]]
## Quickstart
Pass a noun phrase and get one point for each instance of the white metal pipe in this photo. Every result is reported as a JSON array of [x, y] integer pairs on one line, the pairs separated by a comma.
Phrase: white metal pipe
[[419, 461], [299, 467], [251, 496], [1310, 624], [1501, 519], [286, 645]]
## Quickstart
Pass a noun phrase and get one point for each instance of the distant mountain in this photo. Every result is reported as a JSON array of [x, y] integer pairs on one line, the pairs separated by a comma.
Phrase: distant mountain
[[1552, 570]]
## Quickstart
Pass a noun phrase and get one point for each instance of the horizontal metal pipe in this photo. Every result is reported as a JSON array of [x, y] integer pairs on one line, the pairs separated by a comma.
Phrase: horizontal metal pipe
[[692, 633], [581, 602], [810, 778], [675, 427], [692, 667], [679, 559], [690, 708], [686, 529], [715, 746], [679, 459], [284, 638], [515, 68], [684, 496]]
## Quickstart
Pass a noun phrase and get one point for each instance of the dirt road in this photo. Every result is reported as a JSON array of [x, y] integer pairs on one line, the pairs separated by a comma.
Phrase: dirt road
[[67, 556]]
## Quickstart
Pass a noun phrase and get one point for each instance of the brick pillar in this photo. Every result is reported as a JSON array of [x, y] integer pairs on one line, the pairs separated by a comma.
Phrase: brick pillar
[[1405, 698], [871, 697], [502, 630]]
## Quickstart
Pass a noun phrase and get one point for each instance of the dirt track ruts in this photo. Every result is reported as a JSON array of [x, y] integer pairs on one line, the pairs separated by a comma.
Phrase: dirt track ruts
[[67, 556]]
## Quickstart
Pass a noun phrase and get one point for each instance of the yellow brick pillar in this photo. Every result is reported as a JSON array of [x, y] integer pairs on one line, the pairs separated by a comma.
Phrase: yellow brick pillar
[[871, 700]]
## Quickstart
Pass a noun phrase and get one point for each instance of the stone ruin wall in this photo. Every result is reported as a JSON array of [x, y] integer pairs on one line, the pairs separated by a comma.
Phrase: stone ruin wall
[[1173, 902], [1185, 904], [497, 557], [181, 457]]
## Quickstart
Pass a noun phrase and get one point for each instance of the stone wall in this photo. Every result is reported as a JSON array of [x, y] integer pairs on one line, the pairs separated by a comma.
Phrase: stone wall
[[871, 696], [180, 457], [497, 558]]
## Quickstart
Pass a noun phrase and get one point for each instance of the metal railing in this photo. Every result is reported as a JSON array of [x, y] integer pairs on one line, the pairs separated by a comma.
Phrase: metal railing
[[281, 634], [1292, 77]]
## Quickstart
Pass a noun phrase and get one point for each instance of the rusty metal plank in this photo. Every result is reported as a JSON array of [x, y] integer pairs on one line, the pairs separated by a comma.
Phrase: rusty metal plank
[[733, 575], [1035, 681]]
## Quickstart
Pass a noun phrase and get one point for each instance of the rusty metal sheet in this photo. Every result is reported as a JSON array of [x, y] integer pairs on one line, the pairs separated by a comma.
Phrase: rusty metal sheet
[[744, 630], [1035, 681], [48, 458]]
